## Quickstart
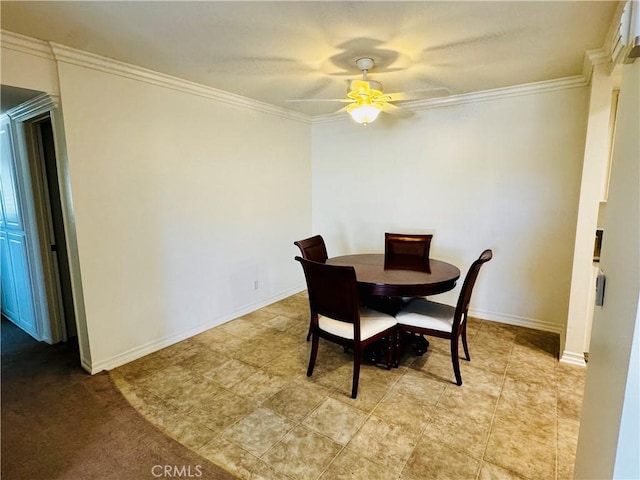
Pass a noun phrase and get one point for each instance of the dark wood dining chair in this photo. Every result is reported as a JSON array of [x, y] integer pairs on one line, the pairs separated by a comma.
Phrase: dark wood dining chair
[[407, 251], [424, 317], [314, 249], [336, 315]]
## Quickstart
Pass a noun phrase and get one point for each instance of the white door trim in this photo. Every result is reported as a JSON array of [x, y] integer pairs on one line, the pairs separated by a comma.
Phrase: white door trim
[[21, 116]]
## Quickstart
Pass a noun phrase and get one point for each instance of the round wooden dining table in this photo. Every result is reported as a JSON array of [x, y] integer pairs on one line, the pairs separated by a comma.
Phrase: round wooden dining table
[[373, 279], [386, 289]]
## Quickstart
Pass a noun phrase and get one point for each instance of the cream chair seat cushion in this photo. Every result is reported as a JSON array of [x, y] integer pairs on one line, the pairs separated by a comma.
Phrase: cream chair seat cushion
[[372, 322], [423, 313]]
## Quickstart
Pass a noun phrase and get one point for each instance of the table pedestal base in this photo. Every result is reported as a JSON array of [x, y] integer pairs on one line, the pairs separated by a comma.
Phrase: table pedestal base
[[388, 305], [420, 344], [416, 342]]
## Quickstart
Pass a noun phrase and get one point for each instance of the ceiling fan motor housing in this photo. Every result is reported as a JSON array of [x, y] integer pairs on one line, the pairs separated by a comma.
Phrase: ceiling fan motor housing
[[364, 86], [356, 85]]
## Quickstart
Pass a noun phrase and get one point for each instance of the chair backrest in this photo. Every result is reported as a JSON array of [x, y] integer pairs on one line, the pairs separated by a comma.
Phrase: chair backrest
[[333, 291], [407, 251], [313, 248], [462, 307]]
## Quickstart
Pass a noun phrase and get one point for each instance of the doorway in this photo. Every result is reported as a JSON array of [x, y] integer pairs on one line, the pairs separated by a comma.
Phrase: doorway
[[46, 193], [42, 190]]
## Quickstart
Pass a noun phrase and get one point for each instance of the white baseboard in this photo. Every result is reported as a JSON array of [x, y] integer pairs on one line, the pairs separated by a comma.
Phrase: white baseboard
[[150, 347], [573, 358], [146, 349], [86, 365], [518, 321]]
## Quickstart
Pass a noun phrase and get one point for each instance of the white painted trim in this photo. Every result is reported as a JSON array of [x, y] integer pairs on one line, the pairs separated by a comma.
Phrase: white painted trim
[[71, 237], [33, 107], [613, 33], [573, 358], [64, 54], [518, 321], [592, 58], [24, 44], [150, 347], [482, 96], [499, 93], [24, 112], [610, 49], [616, 42], [86, 365]]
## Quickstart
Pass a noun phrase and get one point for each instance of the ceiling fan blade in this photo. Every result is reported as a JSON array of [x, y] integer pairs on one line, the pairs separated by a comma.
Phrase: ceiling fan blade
[[396, 111], [341, 100], [256, 65], [474, 41], [349, 73], [422, 94]]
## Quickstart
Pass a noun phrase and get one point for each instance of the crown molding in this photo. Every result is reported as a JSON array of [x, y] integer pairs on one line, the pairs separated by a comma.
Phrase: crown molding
[[24, 44], [481, 96], [498, 93], [72, 56], [63, 54], [593, 58], [610, 50], [614, 28], [33, 107]]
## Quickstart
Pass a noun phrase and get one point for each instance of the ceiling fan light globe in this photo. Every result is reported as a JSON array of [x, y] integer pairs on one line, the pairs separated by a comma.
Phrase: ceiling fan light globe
[[364, 113]]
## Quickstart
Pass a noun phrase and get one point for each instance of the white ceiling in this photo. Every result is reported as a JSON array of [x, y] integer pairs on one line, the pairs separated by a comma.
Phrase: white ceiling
[[274, 51]]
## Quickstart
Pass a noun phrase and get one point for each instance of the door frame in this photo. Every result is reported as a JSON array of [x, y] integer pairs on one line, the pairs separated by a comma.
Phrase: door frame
[[23, 120]]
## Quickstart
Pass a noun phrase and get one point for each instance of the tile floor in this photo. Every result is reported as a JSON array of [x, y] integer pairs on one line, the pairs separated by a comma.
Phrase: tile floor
[[238, 395]]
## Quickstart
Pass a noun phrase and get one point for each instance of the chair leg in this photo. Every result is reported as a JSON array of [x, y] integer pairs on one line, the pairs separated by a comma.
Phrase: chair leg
[[455, 360], [357, 360], [464, 341], [314, 354], [396, 350], [309, 332], [391, 340]]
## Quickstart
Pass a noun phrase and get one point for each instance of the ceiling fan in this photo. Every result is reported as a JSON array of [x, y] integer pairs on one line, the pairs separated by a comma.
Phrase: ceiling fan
[[365, 98]]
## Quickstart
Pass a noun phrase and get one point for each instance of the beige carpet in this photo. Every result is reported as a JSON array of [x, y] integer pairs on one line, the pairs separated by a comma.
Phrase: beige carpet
[[58, 422]]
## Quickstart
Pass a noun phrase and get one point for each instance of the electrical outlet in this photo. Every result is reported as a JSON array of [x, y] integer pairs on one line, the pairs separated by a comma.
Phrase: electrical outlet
[[255, 285]]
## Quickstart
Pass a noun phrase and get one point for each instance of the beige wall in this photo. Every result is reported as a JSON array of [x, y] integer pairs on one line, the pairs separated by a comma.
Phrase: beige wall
[[609, 433], [182, 202], [170, 188], [594, 170], [501, 174], [35, 71]]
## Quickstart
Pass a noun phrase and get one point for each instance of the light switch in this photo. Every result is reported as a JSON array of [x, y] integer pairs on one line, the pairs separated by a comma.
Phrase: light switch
[[600, 281]]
